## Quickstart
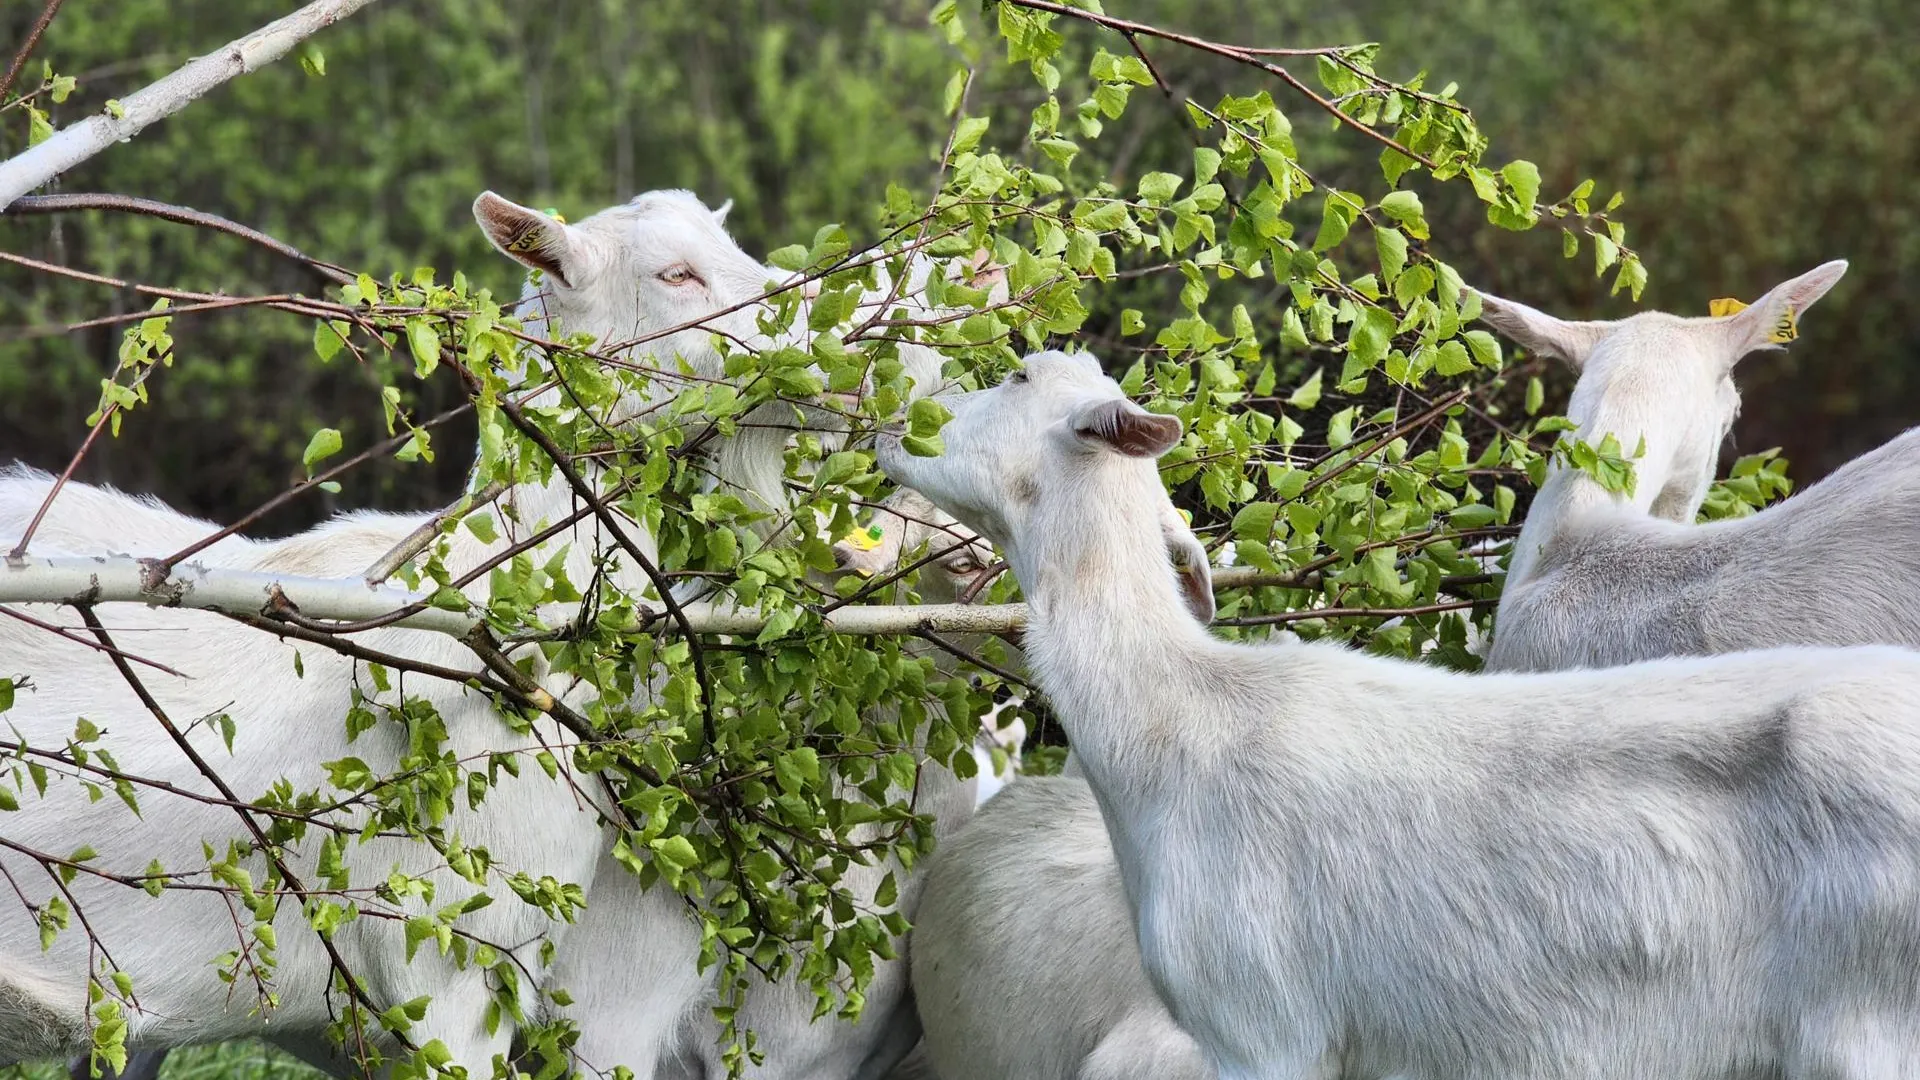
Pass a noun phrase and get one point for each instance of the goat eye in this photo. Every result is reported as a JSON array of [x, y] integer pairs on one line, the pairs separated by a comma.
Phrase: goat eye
[[961, 566], [677, 275], [1019, 376]]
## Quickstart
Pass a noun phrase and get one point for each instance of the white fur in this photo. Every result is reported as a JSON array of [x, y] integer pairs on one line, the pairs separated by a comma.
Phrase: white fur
[[629, 964], [1024, 958], [1599, 579], [1345, 865]]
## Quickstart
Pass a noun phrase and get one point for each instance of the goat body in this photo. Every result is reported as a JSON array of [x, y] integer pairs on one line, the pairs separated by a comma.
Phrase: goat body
[[1599, 578], [1344, 865], [1024, 959]]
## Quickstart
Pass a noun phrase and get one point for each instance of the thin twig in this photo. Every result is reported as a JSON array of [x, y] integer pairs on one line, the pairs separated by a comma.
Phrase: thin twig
[[1230, 52], [419, 539], [128, 204], [78, 640], [27, 47], [73, 463], [355, 992], [1305, 614], [975, 659]]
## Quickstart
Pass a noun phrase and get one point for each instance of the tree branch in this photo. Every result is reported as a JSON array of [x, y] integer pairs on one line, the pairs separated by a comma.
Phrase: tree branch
[[319, 601], [1250, 57], [181, 215], [78, 142]]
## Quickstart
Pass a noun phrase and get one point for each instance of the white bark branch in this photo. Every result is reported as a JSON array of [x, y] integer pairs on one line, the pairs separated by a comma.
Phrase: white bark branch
[[118, 579], [76, 143], [124, 579]]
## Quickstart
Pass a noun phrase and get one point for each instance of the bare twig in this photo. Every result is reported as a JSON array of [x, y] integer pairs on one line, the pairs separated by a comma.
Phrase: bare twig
[[66, 474], [27, 47], [419, 539], [1305, 614], [78, 142], [55, 204], [78, 640]]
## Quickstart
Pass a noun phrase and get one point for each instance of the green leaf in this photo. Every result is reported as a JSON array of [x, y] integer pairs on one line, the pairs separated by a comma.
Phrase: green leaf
[[927, 416], [1307, 394], [324, 444], [328, 339], [424, 340], [1336, 216], [791, 257], [1254, 522], [1393, 252], [923, 445], [1159, 187], [1484, 346], [1524, 178], [480, 524], [675, 850], [966, 135], [840, 466], [1472, 516], [1206, 164]]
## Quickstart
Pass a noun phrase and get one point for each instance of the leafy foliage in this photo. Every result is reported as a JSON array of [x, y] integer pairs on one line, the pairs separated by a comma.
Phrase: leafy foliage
[[1351, 439]]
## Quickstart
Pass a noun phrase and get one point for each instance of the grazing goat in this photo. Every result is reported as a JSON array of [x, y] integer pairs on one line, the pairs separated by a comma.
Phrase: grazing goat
[[1347, 865], [657, 262], [1598, 578]]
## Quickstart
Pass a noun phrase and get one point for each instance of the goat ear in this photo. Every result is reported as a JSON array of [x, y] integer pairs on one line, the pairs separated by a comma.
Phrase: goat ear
[[1190, 567], [1774, 319], [527, 236], [1538, 332], [720, 212], [1122, 426]]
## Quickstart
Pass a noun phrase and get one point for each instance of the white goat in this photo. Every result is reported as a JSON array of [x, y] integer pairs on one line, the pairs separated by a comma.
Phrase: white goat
[[1341, 864], [1024, 954], [1024, 957], [1598, 579], [656, 262], [652, 1007]]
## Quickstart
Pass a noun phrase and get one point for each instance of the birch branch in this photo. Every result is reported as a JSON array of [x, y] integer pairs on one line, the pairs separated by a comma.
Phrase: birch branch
[[76, 143], [125, 579]]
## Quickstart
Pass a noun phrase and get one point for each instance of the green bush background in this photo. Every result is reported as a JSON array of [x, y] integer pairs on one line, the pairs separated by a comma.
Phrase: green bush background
[[1754, 138]]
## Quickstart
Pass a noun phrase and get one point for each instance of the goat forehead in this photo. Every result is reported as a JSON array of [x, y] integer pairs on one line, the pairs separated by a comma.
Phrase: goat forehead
[[663, 221], [1655, 337]]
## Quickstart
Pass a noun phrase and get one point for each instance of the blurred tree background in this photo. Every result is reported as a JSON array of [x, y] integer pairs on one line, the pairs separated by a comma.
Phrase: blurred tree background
[[1754, 139]]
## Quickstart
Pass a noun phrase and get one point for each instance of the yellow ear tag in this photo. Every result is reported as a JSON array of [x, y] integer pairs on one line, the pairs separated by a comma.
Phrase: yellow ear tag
[[1184, 516], [1785, 329], [866, 539], [555, 215]]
